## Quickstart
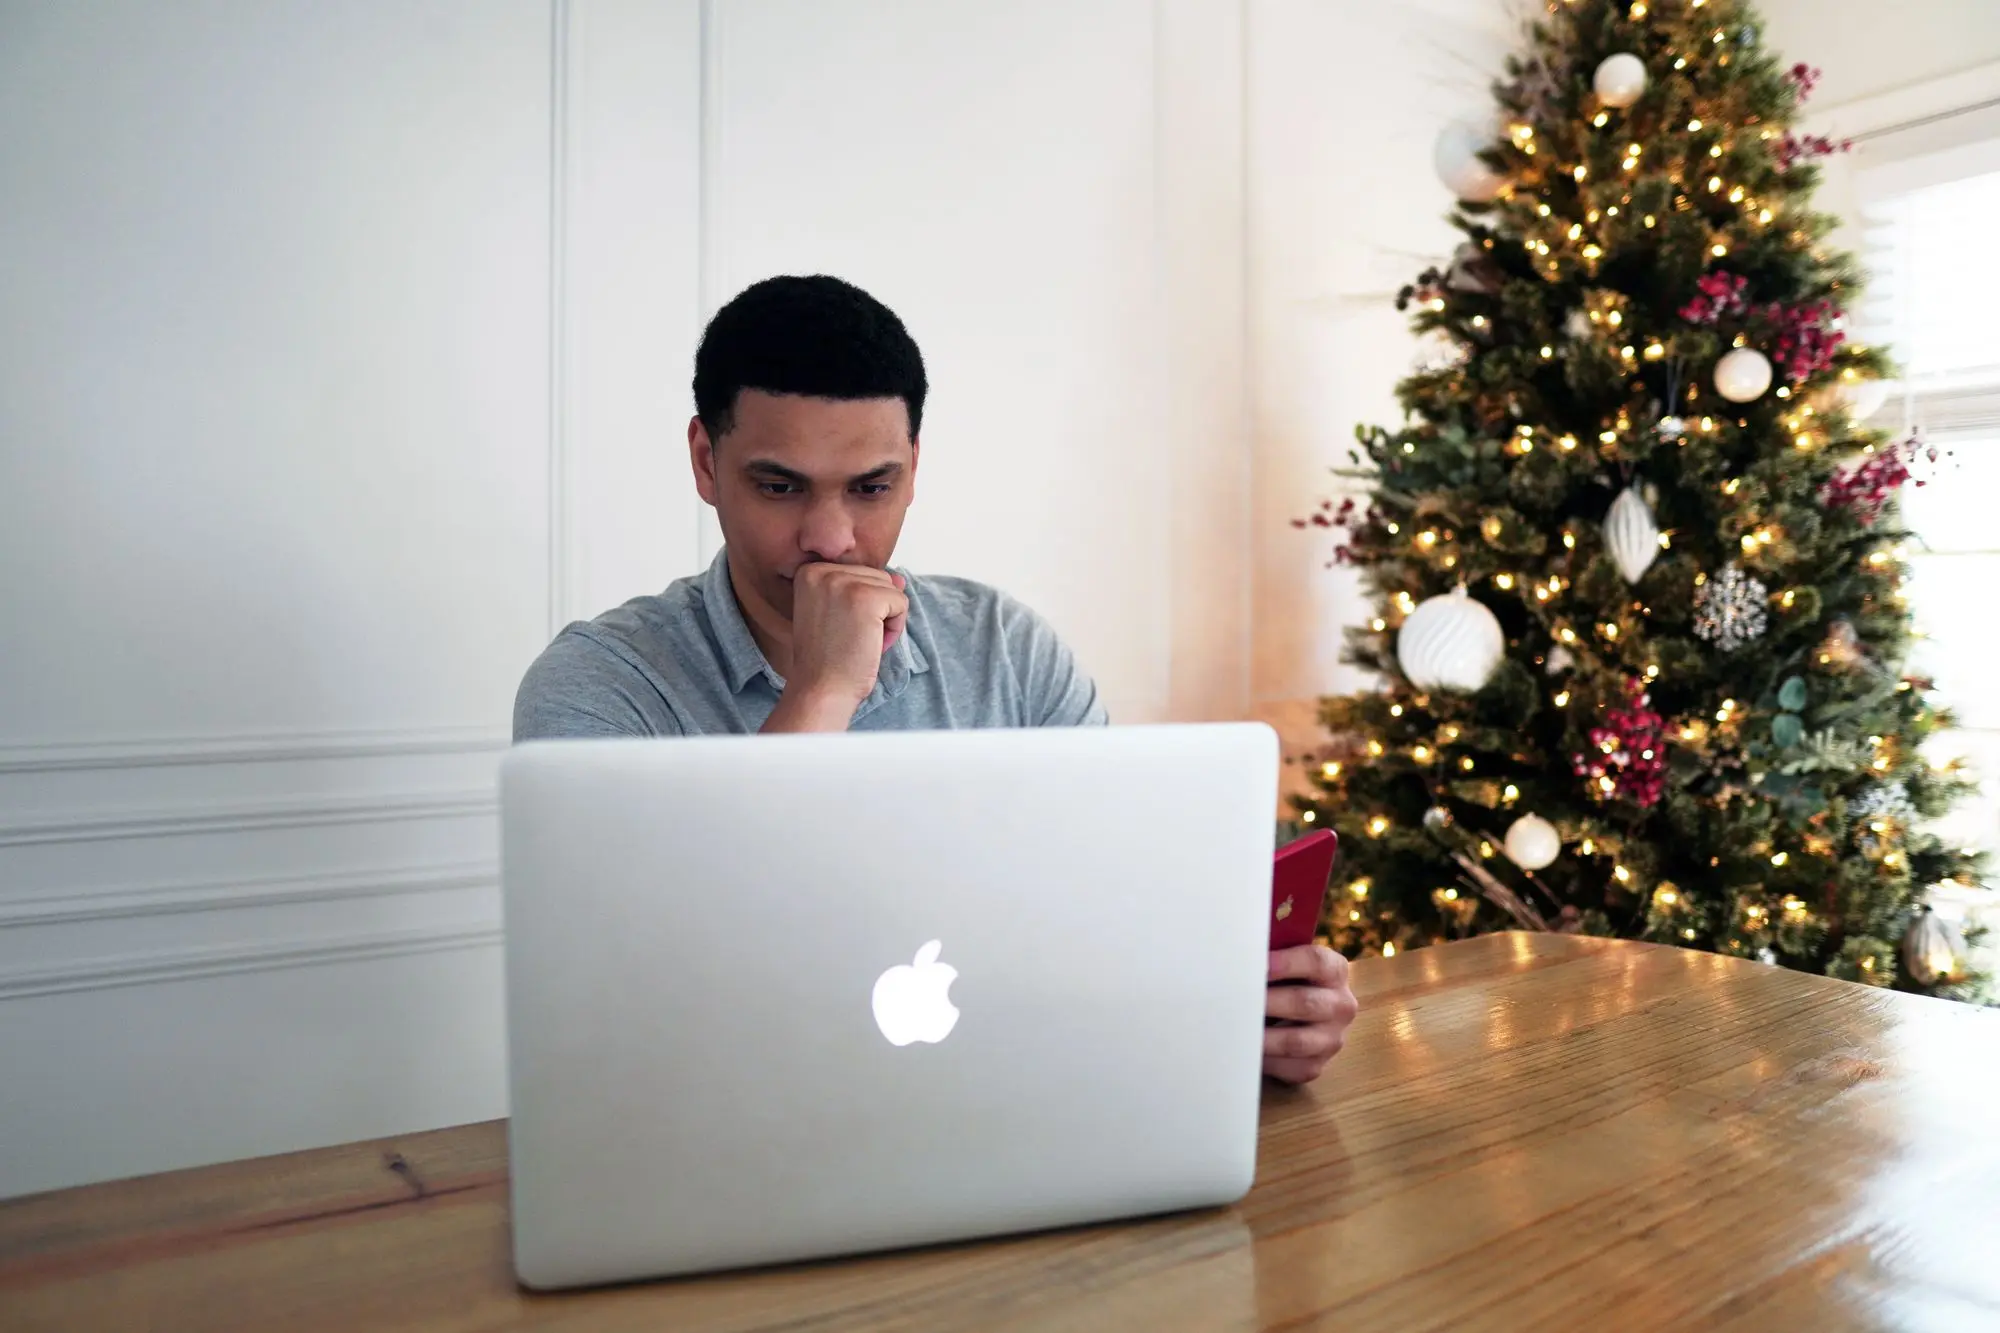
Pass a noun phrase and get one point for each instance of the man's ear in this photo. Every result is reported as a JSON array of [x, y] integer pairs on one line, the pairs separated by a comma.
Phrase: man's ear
[[701, 457], [916, 452]]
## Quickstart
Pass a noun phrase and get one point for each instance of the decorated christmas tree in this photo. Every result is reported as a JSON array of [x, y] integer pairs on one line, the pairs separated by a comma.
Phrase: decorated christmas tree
[[1639, 626]]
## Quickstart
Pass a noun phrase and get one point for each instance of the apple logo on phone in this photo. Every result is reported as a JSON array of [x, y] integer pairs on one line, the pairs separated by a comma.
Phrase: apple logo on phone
[[910, 1000]]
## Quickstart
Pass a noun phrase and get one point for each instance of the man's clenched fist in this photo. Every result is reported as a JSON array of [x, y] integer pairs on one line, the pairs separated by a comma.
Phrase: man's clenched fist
[[844, 618]]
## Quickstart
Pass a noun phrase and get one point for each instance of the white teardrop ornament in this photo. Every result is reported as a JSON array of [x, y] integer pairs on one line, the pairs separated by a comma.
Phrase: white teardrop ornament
[[1631, 535]]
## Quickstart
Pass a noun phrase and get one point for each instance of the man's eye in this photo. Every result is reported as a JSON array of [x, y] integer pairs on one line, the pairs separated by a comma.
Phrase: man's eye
[[777, 488], [873, 489]]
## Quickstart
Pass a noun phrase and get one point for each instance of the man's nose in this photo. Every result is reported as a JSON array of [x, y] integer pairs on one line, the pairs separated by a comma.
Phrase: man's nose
[[828, 532]]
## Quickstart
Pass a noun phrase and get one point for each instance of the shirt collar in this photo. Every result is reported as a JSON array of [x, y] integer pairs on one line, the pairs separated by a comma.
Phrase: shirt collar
[[744, 661]]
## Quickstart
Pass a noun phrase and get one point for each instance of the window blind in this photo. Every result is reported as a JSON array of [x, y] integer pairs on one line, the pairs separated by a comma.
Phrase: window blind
[[1932, 255]]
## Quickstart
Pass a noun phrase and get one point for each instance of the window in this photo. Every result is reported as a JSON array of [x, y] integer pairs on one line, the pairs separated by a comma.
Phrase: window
[[1934, 299]]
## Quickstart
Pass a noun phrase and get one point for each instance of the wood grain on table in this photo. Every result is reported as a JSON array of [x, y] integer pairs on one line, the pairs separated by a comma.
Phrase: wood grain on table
[[1534, 1132]]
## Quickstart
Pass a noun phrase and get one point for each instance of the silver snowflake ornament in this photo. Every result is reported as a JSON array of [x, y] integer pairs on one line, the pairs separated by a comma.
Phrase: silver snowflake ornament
[[1438, 351], [1884, 800], [1730, 610]]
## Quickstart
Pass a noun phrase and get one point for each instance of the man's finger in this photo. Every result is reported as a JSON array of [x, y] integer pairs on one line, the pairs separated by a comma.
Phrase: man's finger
[[1314, 964], [1294, 1071], [877, 589], [892, 606], [833, 569], [1309, 1004], [1318, 1041]]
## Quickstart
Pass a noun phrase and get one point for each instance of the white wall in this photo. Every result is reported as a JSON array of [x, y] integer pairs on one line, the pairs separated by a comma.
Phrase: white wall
[[1025, 185], [331, 352], [1867, 48], [343, 355], [1344, 101]]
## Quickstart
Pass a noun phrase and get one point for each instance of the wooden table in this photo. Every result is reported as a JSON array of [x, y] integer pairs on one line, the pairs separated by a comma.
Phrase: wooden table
[[1535, 1132]]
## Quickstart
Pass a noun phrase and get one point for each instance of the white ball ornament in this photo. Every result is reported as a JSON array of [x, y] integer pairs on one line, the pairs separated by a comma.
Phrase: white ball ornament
[[1863, 398], [1450, 642], [1631, 535], [1620, 79], [1743, 375], [1933, 949], [1532, 842], [1456, 157]]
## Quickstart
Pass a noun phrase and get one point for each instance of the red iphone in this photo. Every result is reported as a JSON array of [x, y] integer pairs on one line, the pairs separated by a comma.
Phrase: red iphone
[[1299, 873]]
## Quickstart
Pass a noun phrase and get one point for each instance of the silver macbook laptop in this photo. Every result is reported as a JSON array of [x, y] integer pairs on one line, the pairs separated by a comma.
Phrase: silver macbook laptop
[[771, 998]]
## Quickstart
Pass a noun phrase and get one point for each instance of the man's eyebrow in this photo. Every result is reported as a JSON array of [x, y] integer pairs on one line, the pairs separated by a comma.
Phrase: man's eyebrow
[[766, 468]]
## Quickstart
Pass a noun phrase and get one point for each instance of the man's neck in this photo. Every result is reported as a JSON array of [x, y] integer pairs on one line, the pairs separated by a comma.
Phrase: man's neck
[[771, 631]]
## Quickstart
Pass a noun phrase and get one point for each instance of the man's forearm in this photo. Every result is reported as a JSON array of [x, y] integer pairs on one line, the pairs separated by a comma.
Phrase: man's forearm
[[799, 710]]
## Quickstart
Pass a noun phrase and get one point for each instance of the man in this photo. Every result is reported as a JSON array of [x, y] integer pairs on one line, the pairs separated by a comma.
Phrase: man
[[809, 400]]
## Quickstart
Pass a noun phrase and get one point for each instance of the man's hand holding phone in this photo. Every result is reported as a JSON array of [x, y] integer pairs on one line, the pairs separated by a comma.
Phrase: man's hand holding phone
[[844, 619], [1310, 998], [1308, 1004]]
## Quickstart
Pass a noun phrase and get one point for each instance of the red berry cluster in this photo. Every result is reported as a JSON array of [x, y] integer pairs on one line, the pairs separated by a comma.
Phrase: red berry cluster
[[1805, 339], [1629, 751], [1428, 287], [1802, 338], [1326, 516], [1721, 296], [1793, 147], [1869, 484], [1798, 147]]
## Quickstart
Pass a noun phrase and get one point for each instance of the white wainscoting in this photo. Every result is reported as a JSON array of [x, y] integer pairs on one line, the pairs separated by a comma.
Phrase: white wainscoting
[[343, 357]]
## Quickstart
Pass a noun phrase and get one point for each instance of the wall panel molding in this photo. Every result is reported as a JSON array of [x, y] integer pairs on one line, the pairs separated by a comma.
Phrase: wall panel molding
[[560, 483], [251, 817], [626, 306], [126, 902], [246, 748], [145, 969]]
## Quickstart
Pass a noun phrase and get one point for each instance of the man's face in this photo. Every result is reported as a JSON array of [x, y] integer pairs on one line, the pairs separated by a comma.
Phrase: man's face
[[800, 479]]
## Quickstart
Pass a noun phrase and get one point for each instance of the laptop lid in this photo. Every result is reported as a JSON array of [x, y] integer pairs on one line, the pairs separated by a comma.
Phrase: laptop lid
[[772, 998]]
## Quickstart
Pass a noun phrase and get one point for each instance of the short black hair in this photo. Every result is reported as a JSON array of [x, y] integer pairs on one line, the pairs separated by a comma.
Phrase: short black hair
[[815, 336]]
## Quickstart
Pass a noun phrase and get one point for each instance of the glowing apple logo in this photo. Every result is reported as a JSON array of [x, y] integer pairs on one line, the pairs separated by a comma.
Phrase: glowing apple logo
[[910, 1000]]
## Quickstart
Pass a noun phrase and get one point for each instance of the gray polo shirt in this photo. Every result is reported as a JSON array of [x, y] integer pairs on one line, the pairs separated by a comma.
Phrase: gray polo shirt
[[683, 663]]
